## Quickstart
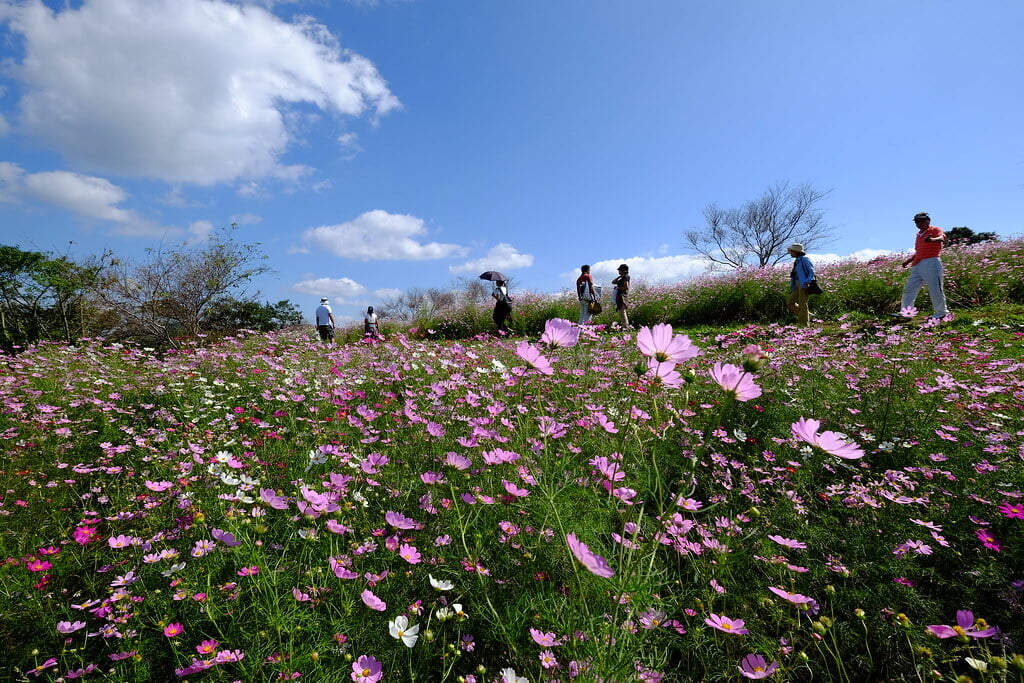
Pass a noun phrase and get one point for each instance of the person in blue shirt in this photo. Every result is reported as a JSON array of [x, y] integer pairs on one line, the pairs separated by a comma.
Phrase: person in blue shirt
[[800, 280]]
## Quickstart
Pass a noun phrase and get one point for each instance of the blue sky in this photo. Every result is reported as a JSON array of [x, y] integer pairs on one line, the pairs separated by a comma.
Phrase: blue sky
[[373, 147]]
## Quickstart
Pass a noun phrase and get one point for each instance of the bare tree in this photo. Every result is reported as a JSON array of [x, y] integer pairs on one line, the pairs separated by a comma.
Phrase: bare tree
[[169, 293], [760, 231]]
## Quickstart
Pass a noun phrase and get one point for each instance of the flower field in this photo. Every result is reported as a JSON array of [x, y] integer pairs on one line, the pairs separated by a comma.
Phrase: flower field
[[843, 503]]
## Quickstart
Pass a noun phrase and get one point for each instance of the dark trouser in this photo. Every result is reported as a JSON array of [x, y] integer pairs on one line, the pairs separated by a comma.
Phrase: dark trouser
[[502, 310], [326, 332]]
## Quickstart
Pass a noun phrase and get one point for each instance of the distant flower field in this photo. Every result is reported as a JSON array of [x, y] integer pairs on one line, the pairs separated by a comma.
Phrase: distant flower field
[[588, 504]]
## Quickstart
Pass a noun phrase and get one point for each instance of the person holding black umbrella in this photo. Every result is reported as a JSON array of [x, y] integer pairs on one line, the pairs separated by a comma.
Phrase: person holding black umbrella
[[502, 306]]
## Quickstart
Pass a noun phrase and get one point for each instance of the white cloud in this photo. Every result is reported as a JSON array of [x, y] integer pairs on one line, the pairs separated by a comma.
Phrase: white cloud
[[246, 219], [200, 231], [83, 195], [338, 290], [648, 269], [379, 236], [862, 255], [503, 257], [191, 91], [387, 293]]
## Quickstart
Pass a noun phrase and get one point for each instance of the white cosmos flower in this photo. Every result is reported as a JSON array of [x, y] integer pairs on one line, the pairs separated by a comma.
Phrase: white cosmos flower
[[441, 584], [400, 629]]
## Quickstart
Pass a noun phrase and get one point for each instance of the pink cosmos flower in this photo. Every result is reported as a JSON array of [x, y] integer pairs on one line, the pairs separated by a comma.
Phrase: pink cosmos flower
[[755, 667], [726, 625], [207, 646], [802, 601], [544, 639], [372, 601], [662, 346], [664, 373], [366, 669], [225, 537], [400, 521], [560, 333], [37, 565], [830, 442], [69, 627], [275, 501], [158, 486], [965, 626], [1012, 510], [787, 542], [734, 380], [532, 356], [594, 563], [988, 540], [409, 553], [173, 630], [515, 490]]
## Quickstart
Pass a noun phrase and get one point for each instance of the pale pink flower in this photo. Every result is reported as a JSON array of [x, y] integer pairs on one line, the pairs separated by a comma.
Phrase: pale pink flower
[[830, 442], [409, 553], [532, 356], [515, 490], [663, 346], [372, 601], [400, 521], [664, 373], [735, 380], [594, 563], [965, 626], [755, 667], [726, 625], [560, 333]]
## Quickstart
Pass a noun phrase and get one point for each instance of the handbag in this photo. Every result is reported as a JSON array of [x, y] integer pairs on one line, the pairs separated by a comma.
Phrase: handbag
[[594, 307], [813, 288]]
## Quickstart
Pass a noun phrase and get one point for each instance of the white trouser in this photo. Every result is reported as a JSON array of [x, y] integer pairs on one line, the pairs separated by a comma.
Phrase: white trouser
[[584, 312], [926, 273]]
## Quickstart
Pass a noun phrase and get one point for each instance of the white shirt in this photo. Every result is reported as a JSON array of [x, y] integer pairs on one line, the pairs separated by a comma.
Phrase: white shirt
[[323, 315]]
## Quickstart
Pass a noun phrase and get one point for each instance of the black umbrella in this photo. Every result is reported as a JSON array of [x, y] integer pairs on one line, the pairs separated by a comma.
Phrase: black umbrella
[[493, 276]]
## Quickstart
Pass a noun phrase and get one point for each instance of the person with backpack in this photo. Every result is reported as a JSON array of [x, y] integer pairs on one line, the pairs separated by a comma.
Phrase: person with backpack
[[502, 306], [800, 279], [622, 294]]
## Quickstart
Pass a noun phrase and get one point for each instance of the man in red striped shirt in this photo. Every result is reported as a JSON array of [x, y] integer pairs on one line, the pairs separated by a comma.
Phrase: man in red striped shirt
[[926, 266]]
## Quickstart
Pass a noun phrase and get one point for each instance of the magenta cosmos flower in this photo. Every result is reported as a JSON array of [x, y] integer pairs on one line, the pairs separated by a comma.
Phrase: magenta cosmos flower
[[559, 332], [173, 630], [366, 669], [755, 667], [593, 562], [726, 625], [663, 346], [532, 356], [965, 626], [735, 380], [830, 442]]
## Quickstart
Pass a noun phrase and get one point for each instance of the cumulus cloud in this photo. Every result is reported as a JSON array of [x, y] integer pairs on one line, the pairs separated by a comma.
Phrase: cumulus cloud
[[501, 257], [861, 255], [379, 236], [187, 91], [338, 290], [649, 269], [83, 195]]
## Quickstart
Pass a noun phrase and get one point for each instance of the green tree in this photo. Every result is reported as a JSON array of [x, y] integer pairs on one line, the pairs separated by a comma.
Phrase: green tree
[[229, 314], [964, 235], [42, 297]]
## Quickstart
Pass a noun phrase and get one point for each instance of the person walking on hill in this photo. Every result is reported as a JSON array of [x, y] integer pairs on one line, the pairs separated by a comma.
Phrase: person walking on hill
[[622, 293], [502, 306], [325, 320], [800, 279], [585, 292], [370, 327], [926, 267]]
